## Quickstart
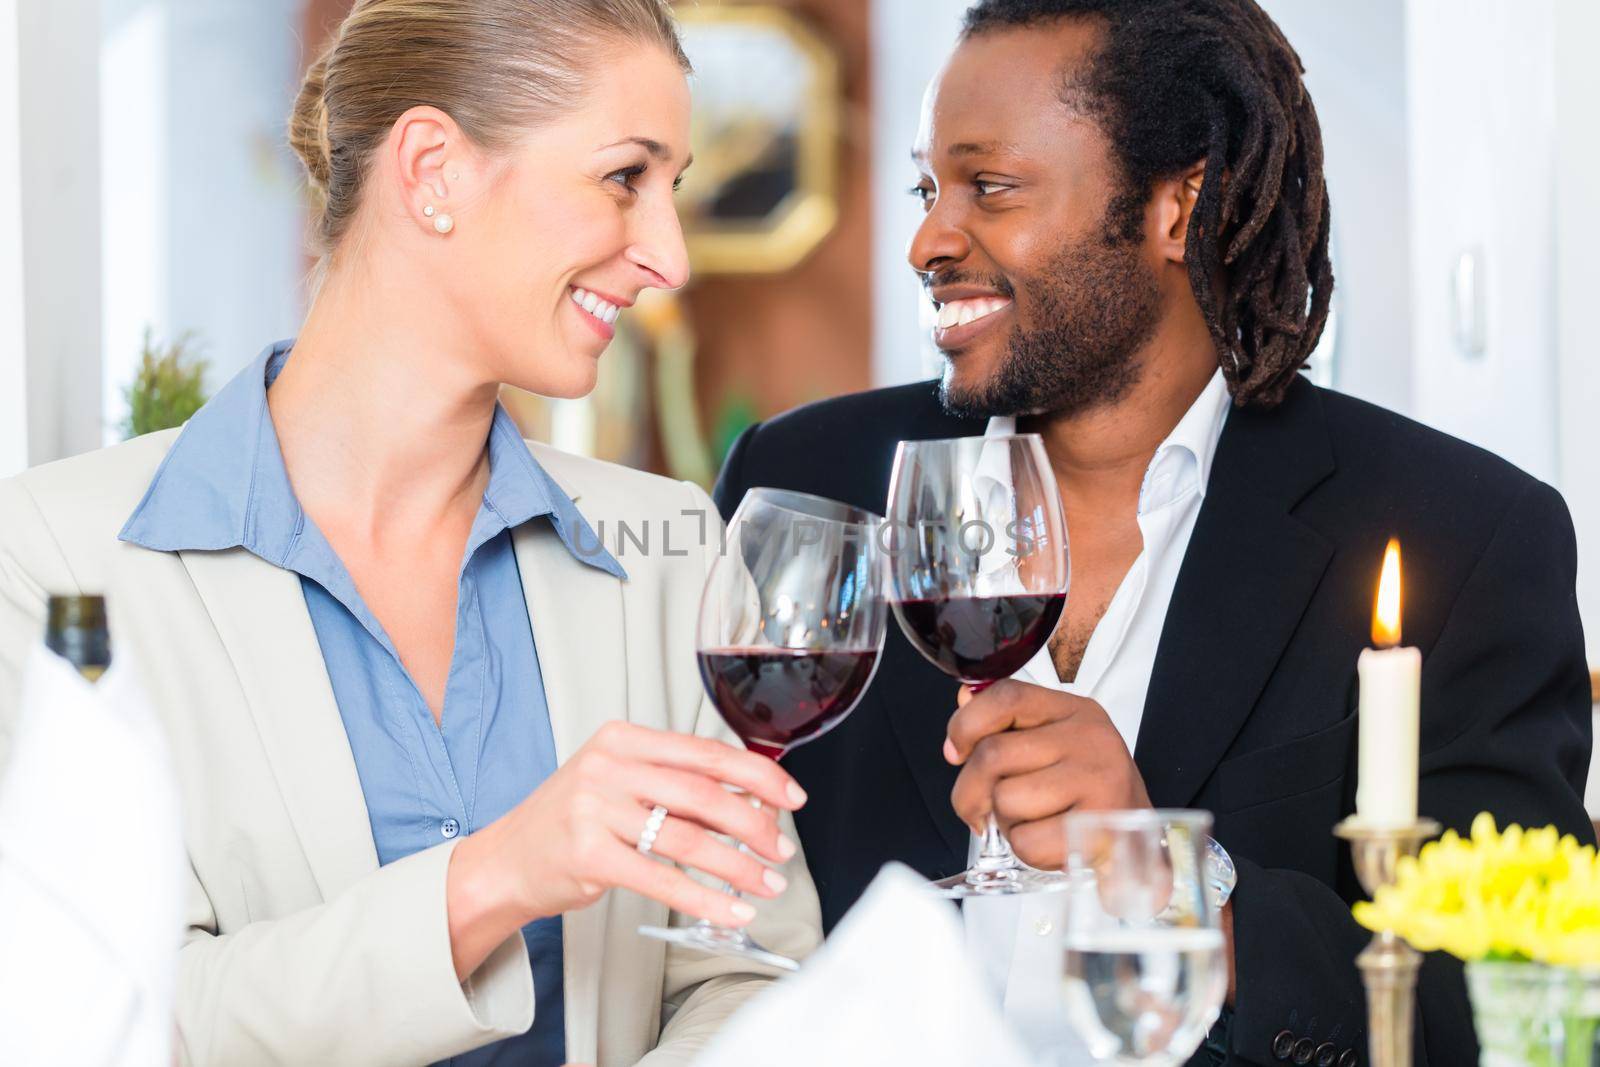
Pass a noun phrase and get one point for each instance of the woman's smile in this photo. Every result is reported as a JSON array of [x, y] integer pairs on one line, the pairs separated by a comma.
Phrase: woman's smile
[[598, 312]]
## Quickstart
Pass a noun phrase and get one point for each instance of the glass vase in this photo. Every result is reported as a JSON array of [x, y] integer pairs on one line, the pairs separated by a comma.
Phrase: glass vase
[[1535, 1015]]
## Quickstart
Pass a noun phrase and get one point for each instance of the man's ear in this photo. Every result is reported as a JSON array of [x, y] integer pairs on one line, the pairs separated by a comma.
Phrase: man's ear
[[1175, 200]]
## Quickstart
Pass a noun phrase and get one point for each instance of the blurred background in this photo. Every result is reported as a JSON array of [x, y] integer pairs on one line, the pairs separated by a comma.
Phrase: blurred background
[[142, 149]]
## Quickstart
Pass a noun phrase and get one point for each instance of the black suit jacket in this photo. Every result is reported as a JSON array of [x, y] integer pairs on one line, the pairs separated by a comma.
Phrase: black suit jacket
[[1251, 711]]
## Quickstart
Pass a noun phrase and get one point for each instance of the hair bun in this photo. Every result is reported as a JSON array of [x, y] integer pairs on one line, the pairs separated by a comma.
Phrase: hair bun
[[308, 126]]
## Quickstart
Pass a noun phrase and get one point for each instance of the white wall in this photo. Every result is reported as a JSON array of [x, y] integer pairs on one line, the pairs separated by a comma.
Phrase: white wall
[[1577, 169], [1482, 135], [189, 172], [134, 197], [235, 224], [910, 40], [204, 220], [1353, 52], [57, 73], [13, 337]]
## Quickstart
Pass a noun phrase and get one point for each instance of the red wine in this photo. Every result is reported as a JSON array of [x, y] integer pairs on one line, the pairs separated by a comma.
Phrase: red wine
[[981, 638], [775, 698]]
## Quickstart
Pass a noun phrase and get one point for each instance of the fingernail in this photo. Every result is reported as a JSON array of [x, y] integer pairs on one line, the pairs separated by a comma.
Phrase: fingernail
[[742, 911], [786, 847], [950, 754], [797, 796], [774, 881]]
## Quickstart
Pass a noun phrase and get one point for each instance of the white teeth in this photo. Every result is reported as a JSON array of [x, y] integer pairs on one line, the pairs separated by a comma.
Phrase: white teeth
[[594, 305], [961, 312]]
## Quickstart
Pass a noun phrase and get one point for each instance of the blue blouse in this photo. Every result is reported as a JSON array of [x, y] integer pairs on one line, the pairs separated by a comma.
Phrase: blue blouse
[[224, 485]]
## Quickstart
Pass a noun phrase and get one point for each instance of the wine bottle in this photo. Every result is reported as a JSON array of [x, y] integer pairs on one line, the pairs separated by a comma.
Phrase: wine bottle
[[76, 631]]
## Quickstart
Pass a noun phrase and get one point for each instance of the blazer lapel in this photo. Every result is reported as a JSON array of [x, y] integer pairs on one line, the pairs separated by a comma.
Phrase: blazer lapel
[[260, 614], [576, 612], [1249, 572]]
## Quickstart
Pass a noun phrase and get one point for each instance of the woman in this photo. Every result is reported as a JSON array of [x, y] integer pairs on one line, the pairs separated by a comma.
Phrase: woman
[[406, 808]]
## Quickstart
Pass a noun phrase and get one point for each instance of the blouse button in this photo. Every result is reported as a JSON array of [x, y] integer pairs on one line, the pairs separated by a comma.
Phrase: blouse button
[[449, 828]]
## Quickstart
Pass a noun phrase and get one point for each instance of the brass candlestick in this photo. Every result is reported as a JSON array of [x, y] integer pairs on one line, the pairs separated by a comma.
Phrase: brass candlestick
[[1388, 965]]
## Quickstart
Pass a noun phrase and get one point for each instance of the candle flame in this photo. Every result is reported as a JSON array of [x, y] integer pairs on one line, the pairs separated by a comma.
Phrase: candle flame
[[1386, 611]]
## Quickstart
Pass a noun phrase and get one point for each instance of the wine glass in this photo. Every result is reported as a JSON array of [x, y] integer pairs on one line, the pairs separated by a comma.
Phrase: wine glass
[[978, 562], [1145, 973], [791, 628]]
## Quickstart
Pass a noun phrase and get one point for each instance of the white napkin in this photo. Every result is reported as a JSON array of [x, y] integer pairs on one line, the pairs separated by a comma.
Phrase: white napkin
[[91, 874], [892, 985]]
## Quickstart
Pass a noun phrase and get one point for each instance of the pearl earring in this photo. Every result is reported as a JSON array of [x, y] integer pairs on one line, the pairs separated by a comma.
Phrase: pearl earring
[[444, 223], [428, 211]]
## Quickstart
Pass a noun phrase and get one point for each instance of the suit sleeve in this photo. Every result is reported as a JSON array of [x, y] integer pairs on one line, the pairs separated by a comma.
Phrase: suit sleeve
[[701, 992], [1506, 727], [366, 978]]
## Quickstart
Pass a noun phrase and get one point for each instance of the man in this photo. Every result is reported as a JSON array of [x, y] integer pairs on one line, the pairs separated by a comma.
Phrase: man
[[1126, 235]]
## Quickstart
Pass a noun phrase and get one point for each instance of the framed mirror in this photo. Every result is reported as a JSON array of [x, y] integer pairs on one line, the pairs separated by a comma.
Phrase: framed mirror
[[767, 99]]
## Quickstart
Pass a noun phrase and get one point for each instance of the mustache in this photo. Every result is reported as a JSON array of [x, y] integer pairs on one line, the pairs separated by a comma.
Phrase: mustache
[[953, 276]]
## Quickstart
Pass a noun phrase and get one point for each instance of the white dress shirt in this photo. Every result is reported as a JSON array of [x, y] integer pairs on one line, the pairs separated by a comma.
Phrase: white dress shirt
[[1013, 934]]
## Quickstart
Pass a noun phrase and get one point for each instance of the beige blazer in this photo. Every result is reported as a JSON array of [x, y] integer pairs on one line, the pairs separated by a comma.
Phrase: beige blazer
[[300, 949]]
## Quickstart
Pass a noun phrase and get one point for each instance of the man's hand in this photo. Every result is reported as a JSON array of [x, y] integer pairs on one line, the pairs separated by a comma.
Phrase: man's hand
[[1225, 920], [1031, 754]]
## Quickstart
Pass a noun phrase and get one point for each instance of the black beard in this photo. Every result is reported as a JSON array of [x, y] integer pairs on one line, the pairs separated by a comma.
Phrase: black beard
[[1092, 308]]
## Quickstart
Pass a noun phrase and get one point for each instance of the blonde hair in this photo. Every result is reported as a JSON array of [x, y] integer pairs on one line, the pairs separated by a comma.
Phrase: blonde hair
[[497, 67]]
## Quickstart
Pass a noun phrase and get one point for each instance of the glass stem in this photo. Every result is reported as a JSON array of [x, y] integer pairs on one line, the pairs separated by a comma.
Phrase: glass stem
[[994, 853], [727, 931], [729, 888]]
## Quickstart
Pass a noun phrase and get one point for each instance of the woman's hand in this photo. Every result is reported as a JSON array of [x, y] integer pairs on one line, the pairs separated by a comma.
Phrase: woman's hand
[[576, 836]]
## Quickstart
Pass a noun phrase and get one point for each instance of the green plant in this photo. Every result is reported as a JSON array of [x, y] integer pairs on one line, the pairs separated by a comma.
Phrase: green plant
[[168, 387], [737, 414]]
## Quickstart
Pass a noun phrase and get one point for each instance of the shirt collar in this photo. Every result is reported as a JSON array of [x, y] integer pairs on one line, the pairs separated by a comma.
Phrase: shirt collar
[[1200, 429], [1183, 460], [223, 483]]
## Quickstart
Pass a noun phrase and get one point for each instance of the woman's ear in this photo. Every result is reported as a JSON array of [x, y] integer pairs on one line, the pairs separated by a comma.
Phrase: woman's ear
[[423, 146], [1175, 200]]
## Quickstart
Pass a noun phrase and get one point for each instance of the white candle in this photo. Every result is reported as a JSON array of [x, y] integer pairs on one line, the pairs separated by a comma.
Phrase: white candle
[[1391, 699]]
